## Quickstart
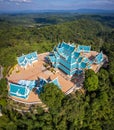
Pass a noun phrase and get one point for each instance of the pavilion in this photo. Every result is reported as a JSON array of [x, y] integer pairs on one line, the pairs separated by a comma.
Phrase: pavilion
[[68, 58], [28, 59], [21, 89]]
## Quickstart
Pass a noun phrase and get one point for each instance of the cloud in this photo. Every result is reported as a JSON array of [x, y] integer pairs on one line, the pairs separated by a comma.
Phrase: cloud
[[104, 1], [20, 1], [17, 1]]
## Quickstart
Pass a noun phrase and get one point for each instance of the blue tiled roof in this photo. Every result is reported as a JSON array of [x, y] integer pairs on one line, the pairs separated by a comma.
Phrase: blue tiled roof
[[52, 59], [65, 49], [29, 83], [76, 55], [56, 82], [79, 71], [68, 59], [40, 86], [99, 58], [83, 65], [80, 59], [82, 48], [56, 54], [71, 60], [19, 90], [86, 60], [24, 60]]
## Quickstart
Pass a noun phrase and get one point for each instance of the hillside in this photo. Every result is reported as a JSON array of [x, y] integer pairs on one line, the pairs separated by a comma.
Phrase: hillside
[[92, 110]]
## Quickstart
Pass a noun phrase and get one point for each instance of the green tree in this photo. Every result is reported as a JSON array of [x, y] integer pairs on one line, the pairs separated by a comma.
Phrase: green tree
[[3, 86], [91, 80], [52, 96]]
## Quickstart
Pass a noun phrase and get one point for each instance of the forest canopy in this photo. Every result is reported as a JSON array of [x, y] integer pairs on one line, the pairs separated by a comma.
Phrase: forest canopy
[[92, 110]]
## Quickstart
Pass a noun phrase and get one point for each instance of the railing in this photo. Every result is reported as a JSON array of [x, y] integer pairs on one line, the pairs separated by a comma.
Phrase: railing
[[70, 90], [28, 103]]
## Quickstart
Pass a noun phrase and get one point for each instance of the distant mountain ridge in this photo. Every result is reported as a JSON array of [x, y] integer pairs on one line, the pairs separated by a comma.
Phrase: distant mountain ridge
[[79, 11], [94, 11]]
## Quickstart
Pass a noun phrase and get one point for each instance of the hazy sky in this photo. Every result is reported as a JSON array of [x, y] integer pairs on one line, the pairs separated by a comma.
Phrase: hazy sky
[[14, 5]]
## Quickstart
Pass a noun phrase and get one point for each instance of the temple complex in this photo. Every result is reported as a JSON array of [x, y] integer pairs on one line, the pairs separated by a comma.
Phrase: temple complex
[[66, 66]]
